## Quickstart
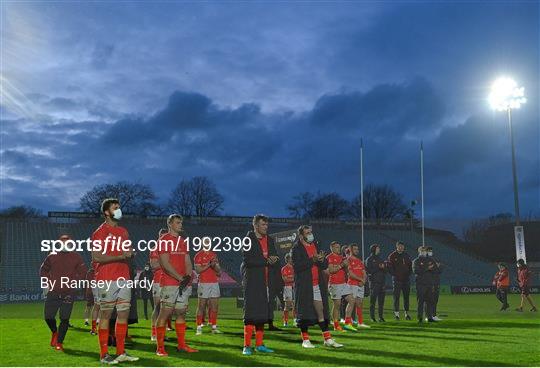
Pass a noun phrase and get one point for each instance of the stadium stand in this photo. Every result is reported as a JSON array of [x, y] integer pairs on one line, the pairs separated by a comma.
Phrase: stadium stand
[[21, 255]]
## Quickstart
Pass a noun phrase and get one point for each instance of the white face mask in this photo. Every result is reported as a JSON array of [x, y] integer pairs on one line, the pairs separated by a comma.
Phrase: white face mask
[[310, 238], [117, 214]]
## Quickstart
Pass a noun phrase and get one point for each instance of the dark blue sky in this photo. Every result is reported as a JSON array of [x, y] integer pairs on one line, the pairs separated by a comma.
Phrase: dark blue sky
[[269, 100]]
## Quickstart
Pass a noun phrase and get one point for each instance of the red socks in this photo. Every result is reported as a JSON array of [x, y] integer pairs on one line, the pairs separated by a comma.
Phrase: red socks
[[103, 337], [153, 330], [286, 316], [326, 335], [248, 332], [181, 333], [336, 324], [359, 315], [212, 318], [120, 331], [169, 325], [199, 320], [305, 336], [259, 334], [348, 320], [160, 337], [94, 325]]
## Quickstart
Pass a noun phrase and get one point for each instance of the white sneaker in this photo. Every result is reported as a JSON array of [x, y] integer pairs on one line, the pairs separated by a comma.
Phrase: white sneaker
[[307, 344], [126, 358], [153, 338], [331, 343], [215, 330], [363, 325], [435, 318], [199, 330], [342, 321], [396, 314]]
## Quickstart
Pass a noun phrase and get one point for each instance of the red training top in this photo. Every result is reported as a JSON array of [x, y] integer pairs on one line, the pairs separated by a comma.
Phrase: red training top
[[287, 271], [203, 258], [311, 250], [63, 264], [357, 268], [524, 277], [501, 279], [340, 276], [111, 271], [177, 250]]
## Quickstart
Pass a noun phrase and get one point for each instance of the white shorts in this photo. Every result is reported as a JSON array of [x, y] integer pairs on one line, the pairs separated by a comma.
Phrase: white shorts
[[95, 293], [338, 290], [171, 298], [287, 294], [208, 290], [156, 290], [357, 291], [317, 293], [118, 295]]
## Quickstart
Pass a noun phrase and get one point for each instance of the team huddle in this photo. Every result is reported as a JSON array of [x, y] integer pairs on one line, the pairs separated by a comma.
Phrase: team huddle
[[309, 278]]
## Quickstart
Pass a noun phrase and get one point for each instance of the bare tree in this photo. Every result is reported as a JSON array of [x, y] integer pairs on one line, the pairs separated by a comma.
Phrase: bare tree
[[181, 199], [196, 197], [329, 206], [301, 206], [21, 212], [320, 206], [206, 199], [381, 202], [134, 198]]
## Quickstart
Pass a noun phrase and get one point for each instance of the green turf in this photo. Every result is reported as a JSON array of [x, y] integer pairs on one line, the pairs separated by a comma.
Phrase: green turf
[[474, 333]]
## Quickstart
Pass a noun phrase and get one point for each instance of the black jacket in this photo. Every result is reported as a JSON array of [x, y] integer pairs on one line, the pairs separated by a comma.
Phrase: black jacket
[[303, 285], [424, 276], [376, 275], [400, 266], [256, 306], [437, 270]]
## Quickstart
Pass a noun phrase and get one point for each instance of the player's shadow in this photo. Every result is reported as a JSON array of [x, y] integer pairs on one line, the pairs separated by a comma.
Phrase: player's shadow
[[94, 355], [446, 337], [430, 359]]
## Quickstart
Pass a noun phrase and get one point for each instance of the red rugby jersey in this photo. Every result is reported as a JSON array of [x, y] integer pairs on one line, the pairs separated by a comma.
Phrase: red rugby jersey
[[340, 276], [111, 271], [203, 258]]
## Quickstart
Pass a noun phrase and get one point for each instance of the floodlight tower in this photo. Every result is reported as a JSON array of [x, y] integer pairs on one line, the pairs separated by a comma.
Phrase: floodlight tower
[[505, 96]]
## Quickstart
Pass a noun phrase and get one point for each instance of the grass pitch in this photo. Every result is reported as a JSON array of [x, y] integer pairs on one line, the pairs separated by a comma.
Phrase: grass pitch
[[473, 333]]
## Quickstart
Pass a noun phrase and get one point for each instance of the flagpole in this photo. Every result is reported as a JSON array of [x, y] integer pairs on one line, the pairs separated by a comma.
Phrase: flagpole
[[422, 189], [362, 193]]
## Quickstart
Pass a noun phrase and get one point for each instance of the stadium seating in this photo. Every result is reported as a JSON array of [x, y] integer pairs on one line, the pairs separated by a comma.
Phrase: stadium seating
[[21, 256]]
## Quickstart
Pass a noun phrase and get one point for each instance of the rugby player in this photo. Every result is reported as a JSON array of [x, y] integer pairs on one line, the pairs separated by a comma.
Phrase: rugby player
[[60, 298], [256, 283], [524, 282], [376, 269], [111, 265], [501, 281], [356, 282], [174, 283], [156, 289], [208, 270], [400, 267], [287, 273], [337, 283], [311, 290]]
